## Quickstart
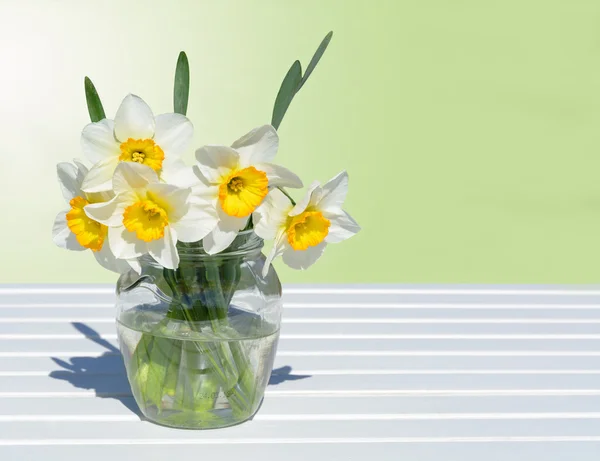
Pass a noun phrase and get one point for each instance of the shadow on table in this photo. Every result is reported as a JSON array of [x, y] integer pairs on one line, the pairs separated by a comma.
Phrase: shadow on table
[[282, 374], [106, 375]]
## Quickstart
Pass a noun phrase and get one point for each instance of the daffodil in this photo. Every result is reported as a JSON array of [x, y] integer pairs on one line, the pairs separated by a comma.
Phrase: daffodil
[[302, 231], [148, 216], [237, 179], [73, 229], [137, 136]]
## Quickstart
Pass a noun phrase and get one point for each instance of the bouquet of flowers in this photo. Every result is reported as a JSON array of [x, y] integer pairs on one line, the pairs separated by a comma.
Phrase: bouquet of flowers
[[195, 294]]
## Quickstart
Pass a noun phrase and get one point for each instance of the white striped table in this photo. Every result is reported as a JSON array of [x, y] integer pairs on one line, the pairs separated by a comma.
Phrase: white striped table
[[400, 372]]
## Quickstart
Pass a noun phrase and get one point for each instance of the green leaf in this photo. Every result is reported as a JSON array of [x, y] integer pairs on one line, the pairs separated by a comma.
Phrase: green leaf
[[93, 101], [288, 89], [181, 91], [316, 58]]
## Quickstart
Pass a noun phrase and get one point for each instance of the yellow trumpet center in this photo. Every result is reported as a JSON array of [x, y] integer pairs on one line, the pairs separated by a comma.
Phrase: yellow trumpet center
[[307, 229], [144, 151], [89, 233], [147, 219], [242, 191]]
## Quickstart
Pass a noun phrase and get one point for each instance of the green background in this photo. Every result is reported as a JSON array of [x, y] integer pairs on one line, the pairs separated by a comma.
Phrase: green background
[[469, 128]]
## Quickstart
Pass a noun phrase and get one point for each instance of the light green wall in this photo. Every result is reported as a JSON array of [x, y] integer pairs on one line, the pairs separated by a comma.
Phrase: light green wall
[[469, 127]]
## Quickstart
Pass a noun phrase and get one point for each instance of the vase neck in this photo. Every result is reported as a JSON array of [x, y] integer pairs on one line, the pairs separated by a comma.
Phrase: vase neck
[[246, 245]]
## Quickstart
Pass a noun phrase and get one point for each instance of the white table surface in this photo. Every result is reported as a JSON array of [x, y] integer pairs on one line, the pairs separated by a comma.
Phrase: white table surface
[[401, 372]]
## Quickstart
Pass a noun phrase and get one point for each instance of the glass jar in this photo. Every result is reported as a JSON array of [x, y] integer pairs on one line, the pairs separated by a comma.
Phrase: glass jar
[[199, 342]]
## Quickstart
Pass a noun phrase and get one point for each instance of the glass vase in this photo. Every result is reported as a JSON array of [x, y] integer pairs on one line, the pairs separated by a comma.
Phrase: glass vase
[[199, 342]]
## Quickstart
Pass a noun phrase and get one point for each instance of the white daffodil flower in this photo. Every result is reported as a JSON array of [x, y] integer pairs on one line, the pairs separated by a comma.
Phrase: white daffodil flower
[[73, 229], [302, 232], [135, 135], [236, 179], [147, 216]]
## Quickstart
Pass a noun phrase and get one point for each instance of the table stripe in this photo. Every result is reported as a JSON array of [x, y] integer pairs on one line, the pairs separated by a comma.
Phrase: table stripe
[[339, 393], [349, 305], [302, 441], [339, 291], [350, 372], [336, 321], [323, 417]]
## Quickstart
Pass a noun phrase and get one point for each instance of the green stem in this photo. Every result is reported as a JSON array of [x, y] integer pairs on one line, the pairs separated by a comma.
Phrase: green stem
[[287, 195], [243, 372]]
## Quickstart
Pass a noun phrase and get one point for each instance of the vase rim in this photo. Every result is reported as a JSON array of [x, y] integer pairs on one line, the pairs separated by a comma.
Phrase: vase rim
[[246, 244]]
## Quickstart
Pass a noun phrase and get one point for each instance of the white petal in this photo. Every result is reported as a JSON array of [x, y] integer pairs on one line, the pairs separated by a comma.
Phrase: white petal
[[69, 180], [110, 213], [92, 197], [107, 260], [173, 133], [224, 233], [200, 219], [125, 244], [62, 235], [260, 145], [342, 226], [82, 169], [98, 141], [302, 259], [176, 172], [99, 197], [310, 197], [334, 193], [279, 176], [82, 172], [134, 119], [171, 198], [132, 175], [215, 162], [99, 178], [277, 250], [204, 189], [164, 250], [217, 240], [227, 222], [271, 215]]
